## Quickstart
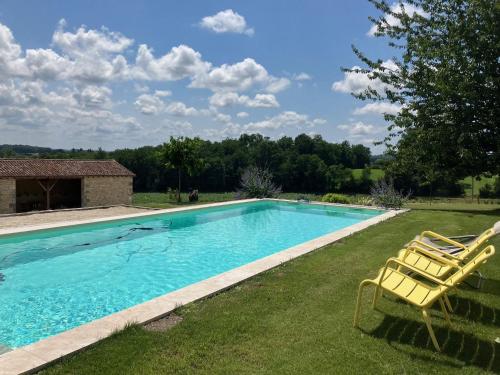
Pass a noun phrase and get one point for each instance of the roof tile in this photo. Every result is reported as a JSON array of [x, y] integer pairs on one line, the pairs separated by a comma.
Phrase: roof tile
[[52, 168]]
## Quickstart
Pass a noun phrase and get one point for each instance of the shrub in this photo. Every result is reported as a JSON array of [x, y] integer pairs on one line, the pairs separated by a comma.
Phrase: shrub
[[385, 195], [172, 194], [335, 198], [257, 183], [489, 191], [362, 200]]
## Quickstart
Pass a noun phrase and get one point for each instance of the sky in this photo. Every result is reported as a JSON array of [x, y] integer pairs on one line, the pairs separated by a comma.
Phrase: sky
[[117, 74]]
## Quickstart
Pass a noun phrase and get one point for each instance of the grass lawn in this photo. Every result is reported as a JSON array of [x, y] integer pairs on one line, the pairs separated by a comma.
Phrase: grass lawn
[[297, 318], [376, 174], [162, 200], [467, 183]]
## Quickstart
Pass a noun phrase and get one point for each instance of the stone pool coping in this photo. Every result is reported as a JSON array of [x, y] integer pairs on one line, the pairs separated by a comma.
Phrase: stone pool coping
[[33, 357]]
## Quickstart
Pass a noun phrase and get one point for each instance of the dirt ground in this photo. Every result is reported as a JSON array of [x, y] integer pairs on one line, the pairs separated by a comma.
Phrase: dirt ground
[[65, 216]]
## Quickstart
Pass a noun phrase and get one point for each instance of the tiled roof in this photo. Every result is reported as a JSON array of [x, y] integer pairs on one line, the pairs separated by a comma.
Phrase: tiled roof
[[43, 168]]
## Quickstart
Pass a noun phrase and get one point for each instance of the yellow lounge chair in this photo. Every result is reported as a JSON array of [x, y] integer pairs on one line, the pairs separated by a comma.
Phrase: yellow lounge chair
[[438, 261], [418, 293], [445, 246]]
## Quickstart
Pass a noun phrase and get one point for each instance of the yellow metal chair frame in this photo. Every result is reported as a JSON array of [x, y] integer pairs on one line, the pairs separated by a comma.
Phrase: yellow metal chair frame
[[418, 293]]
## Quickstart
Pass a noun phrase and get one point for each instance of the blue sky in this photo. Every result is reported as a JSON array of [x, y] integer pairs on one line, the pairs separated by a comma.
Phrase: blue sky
[[124, 74]]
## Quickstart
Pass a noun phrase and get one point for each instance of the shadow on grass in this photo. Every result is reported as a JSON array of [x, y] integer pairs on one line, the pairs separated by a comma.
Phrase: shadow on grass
[[490, 286], [458, 346], [475, 311], [490, 212]]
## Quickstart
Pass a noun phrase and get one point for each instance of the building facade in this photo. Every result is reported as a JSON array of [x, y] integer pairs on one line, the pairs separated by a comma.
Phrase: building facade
[[41, 184]]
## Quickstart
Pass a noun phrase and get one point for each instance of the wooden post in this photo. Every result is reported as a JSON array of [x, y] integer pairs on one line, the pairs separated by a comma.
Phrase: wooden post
[[47, 190]]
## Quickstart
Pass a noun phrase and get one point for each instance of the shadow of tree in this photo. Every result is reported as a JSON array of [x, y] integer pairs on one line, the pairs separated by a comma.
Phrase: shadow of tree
[[461, 348], [486, 211]]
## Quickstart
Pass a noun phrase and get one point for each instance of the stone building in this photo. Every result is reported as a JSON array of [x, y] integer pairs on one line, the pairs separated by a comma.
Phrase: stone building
[[41, 184]]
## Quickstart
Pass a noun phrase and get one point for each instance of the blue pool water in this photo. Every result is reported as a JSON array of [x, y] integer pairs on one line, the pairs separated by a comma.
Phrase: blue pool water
[[55, 280]]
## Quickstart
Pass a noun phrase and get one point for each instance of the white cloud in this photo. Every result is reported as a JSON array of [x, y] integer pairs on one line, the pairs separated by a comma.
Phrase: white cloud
[[226, 99], [181, 62], [397, 8], [149, 104], [222, 117], [141, 89], [66, 112], [181, 110], [357, 129], [227, 21], [357, 82], [237, 77], [263, 101], [84, 43], [378, 108], [284, 119], [277, 84], [94, 97], [163, 93], [302, 77], [65, 89]]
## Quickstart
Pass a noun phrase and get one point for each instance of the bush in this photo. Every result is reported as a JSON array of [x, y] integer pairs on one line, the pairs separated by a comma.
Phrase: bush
[[257, 183], [385, 195], [489, 191], [336, 198], [362, 200]]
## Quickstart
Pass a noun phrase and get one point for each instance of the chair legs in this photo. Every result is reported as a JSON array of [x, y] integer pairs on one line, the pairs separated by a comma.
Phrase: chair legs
[[427, 320], [425, 313], [357, 312], [445, 312], [448, 303]]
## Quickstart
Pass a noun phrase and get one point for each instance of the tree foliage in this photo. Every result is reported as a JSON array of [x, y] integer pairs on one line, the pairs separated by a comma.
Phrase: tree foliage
[[295, 166], [182, 154], [446, 79]]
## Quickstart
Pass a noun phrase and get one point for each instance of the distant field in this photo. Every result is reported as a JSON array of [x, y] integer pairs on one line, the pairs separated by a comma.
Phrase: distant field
[[376, 174], [467, 183]]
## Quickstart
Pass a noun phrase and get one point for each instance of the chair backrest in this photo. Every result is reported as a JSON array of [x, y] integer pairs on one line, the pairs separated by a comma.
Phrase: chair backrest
[[479, 240], [471, 266]]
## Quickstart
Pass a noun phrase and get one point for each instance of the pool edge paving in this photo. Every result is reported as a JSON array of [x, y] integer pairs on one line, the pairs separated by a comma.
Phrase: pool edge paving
[[33, 357]]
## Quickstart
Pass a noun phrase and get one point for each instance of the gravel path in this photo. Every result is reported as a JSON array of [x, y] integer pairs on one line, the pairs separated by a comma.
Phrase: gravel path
[[65, 216]]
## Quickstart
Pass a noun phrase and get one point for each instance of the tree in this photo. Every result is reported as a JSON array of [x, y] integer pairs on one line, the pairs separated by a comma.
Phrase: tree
[[182, 154], [446, 82]]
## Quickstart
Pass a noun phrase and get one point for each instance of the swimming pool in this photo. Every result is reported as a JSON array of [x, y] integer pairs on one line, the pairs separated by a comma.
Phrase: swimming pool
[[54, 280]]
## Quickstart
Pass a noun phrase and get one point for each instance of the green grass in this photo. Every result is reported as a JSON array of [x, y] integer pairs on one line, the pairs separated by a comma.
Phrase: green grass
[[162, 200], [297, 318], [467, 183], [376, 174]]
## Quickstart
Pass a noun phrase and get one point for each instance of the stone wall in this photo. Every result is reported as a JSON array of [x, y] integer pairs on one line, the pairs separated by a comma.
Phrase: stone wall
[[104, 191], [7, 195]]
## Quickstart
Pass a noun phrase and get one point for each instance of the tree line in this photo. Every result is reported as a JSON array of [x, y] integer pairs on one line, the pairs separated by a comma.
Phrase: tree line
[[300, 164]]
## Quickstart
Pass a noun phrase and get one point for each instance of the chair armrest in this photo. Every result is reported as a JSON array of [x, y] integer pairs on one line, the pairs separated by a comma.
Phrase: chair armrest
[[443, 253], [429, 233]]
